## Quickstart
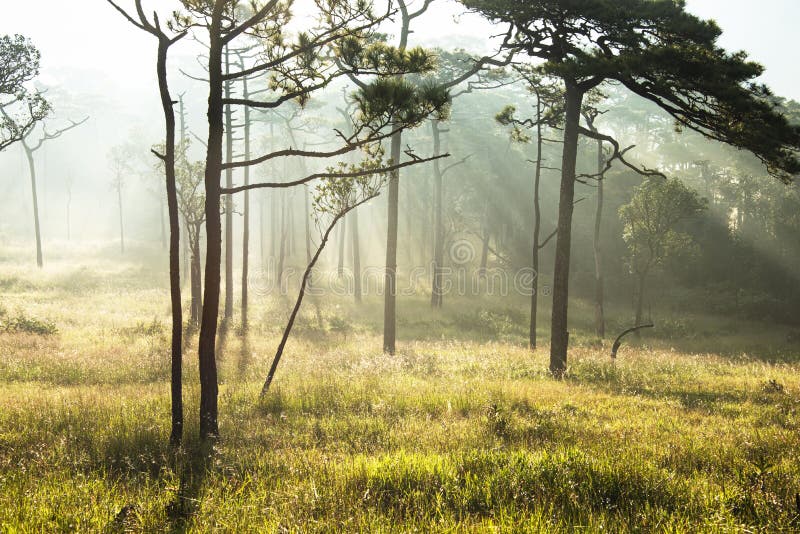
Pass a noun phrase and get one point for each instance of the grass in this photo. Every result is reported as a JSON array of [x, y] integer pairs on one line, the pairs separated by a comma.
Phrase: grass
[[462, 431]]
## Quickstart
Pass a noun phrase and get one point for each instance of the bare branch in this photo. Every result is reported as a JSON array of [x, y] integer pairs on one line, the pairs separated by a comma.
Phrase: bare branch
[[320, 175]]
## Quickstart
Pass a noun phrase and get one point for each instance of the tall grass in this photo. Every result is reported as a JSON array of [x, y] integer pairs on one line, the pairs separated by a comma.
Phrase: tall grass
[[461, 431]]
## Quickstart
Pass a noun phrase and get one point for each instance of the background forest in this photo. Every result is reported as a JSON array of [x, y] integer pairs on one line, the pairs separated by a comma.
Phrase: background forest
[[311, 146]]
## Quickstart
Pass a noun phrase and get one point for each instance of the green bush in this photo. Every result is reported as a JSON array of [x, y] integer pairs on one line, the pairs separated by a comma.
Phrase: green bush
[[24, 324]]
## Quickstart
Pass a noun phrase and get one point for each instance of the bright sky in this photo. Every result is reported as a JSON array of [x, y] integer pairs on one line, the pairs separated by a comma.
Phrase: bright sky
[[85, 42]]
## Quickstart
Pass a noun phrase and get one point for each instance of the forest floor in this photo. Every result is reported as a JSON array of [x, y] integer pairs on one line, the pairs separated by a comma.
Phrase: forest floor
[[695, 428]]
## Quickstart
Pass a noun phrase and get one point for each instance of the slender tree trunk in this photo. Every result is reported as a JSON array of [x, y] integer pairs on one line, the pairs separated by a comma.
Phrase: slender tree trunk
[[559, 335], [228, 198], [121, 224], [176, 381], [640, 285], [262, 222], [599, 314], [303, 286], [163, 224], [342, 240], [196, 278], [357, 292], [208, 329], [390, 282], [282, 246], [35, 197], [537, 229], [438, 224], [69, 216], [246, 217]]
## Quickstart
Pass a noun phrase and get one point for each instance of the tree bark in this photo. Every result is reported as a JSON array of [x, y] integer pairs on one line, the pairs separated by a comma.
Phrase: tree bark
[[176, 381], [342, 240], [640, 285], [228, 198], [390, 281], [196, 278], [559, 335], [438, 224], [246, 215], [599, 314], [356, 246], [537, 229], [35, 197], [209, 427]]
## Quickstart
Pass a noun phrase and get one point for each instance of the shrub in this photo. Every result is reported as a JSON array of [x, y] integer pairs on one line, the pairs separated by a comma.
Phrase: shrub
[[24, 324]]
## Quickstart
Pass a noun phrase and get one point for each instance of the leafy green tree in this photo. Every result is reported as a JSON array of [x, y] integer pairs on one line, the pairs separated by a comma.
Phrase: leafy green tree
[[660, 52], [650, 221], [21, 108]]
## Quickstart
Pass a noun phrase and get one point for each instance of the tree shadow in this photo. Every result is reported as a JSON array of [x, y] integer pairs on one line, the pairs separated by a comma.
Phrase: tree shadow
[[191, 462], [222, 339], [193, 466], [245, 356]]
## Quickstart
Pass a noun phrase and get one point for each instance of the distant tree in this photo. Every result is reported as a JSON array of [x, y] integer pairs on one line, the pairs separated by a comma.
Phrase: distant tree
[[21, 108], [660, 52], [453, 69], [30, 147], [591, 113], [547, 117], [651, 232], [191, 204], [119, 158]]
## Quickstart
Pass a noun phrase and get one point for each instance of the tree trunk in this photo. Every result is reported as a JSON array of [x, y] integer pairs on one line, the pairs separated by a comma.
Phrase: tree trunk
[[163, 224], [196, 278], [356, 257], [537, 229], [228, 198], [438, 224], [390, 282], [293, 316], [599, 315], [121, 224], [246, 215], [69, 217], [559, 335], [342, 239], [208, 328], [282, 247], [35, 197], [176, 381], [640, 284]]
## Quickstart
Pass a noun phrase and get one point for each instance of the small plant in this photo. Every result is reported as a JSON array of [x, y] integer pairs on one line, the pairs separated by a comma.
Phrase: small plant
[[24, 324], [340, 325], [153, 328], [498, 421]]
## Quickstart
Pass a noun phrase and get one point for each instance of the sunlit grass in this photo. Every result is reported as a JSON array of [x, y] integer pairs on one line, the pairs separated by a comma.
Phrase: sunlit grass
[[454, 433]]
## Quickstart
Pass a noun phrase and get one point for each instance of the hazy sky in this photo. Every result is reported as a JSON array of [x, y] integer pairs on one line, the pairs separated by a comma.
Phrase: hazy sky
[[91, 42]]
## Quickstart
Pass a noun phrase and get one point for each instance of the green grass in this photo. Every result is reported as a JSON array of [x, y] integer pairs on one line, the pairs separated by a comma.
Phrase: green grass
[[695, 429]]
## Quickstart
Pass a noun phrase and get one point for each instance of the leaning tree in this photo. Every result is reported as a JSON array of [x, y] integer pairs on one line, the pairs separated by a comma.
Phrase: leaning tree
[[659, 51], [294, 66]]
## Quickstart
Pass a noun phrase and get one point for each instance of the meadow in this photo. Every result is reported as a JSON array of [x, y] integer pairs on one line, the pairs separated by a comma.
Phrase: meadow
[[693, 429]]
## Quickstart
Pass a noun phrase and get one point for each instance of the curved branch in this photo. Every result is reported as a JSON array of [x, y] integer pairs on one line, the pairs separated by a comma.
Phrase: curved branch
[[320, 175]]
